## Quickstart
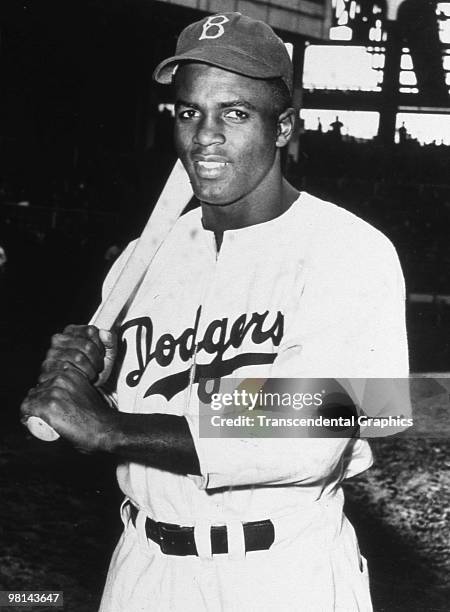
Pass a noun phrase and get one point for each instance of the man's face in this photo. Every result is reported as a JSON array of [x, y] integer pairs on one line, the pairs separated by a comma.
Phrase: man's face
[[225, 131]]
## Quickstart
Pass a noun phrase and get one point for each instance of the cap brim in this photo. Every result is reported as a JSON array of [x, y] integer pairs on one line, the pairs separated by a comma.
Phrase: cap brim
[[226, 58]]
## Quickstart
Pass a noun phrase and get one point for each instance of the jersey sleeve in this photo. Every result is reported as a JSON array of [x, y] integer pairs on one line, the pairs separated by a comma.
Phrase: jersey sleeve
[[266, 462], [347, 320]]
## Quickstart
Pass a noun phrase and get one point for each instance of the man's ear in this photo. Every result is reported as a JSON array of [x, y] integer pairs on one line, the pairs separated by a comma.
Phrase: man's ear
[[285, 127]]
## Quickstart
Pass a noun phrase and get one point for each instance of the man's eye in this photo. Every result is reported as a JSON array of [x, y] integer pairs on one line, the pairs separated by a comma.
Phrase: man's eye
[[189, 113], [236, 115]]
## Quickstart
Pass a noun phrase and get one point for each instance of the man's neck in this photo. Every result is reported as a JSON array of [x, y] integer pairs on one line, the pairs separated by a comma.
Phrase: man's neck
[[248, 212]]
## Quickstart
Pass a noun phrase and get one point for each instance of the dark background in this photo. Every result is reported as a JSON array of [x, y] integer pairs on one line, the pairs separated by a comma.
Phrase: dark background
[[82, 141]]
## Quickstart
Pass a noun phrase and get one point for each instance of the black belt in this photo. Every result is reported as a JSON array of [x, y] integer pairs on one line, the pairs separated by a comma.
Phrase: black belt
[[180, 541]]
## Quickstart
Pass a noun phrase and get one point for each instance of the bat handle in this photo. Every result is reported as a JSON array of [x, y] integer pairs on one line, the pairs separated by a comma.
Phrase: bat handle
[[40, 429]]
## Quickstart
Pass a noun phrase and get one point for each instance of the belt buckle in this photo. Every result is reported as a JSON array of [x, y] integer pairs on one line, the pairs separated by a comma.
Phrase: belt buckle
[[173, 540], [164, 540]]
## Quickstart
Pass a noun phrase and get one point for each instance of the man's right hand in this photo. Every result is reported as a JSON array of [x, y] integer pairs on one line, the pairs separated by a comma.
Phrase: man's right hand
[[90, 350]]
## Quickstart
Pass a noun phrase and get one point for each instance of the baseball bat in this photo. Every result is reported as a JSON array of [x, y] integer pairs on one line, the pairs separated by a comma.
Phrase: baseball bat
[[173, 199]]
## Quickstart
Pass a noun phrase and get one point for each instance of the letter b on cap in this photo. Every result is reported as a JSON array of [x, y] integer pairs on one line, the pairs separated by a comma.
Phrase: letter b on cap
[[213, 27]]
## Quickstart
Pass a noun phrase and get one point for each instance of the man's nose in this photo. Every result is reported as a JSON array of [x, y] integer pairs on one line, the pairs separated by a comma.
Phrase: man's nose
[[209, 132]]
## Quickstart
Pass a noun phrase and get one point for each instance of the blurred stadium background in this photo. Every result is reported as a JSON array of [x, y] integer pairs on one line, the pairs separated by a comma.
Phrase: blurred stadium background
[[85, 145]]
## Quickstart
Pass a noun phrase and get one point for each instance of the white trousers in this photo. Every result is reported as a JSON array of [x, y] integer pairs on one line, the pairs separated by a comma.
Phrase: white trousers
[[314, 565]]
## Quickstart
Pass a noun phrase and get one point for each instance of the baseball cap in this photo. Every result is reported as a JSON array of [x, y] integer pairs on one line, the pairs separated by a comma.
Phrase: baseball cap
[[233, 42]]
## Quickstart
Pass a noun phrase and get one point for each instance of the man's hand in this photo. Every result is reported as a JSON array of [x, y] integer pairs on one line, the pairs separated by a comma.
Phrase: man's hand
[[80, 414], [90, 350], [68, 402], [67, 398]]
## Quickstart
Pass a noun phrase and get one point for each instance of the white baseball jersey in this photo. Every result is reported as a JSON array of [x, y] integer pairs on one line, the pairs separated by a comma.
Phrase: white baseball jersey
[[315, 292]]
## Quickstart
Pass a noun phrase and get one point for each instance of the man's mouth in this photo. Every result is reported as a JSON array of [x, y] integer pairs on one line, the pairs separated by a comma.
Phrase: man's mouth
[[209, 169], [211, 165]]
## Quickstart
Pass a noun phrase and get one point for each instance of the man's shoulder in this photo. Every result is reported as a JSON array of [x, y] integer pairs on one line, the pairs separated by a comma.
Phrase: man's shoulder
[[187, 227], [192, 218], [338, 227]]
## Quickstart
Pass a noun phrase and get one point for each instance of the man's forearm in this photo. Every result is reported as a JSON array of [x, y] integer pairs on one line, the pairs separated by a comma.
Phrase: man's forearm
[[158, 440]]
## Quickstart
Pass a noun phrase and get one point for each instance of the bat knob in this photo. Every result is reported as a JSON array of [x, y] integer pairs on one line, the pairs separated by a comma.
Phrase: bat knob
[[40, 429]]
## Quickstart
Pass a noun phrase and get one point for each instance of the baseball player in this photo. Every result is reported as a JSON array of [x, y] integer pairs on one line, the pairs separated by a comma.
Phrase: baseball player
[[260, 281]]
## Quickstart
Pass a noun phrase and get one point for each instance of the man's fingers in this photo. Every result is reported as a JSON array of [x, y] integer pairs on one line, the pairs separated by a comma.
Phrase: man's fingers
[[67, 377], [108, 338], [56, 365], [49, 368], [42, 402], [89, 349], [92, 347], [90, 364], [85, 331], [72, 406], [49, 399], [56, 381]]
